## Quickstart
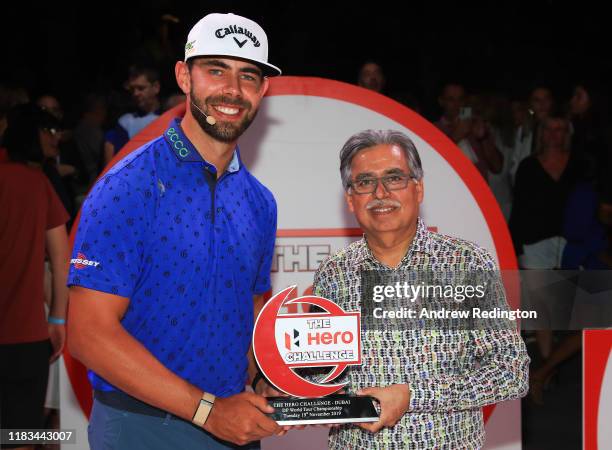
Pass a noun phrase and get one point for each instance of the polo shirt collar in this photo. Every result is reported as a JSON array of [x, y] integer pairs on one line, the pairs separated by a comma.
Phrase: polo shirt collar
[[185, 151]]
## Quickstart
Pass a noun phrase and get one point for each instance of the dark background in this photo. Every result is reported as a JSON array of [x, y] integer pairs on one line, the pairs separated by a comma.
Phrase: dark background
[[506, 47]]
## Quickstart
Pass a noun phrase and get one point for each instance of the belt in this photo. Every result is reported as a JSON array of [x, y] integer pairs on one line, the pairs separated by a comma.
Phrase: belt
[[122, 401]]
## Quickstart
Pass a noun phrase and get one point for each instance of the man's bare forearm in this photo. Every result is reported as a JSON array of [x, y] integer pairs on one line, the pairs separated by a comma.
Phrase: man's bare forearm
[[59, 254]]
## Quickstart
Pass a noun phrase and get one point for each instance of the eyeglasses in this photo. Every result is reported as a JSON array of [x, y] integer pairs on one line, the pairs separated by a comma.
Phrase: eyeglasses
[[53, 131], [391, 182]]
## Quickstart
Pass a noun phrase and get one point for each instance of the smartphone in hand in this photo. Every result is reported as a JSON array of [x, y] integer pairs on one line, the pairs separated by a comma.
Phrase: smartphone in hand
[[465, 113]]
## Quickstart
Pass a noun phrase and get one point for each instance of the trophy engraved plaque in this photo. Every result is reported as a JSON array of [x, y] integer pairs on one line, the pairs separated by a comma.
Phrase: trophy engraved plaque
[[328, 339]]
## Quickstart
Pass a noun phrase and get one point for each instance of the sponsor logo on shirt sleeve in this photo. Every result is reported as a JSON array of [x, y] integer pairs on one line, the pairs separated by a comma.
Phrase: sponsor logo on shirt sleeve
[[81, 262]]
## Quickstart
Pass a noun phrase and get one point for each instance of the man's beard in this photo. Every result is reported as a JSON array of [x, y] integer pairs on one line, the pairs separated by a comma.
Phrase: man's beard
[[222, 131]]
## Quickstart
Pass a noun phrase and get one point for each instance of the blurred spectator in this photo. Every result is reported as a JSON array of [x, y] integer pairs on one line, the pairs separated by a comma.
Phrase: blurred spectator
[[541, 104], [469, 129], [451, 100], [371, 76], [584, 233], [591, 130], [51, 104], [39, 134], [89, 135], [67, 162], [543, 184], [143, 85], [585, 246], [506, 118], [9, 98], [32, 222], [592, 139]]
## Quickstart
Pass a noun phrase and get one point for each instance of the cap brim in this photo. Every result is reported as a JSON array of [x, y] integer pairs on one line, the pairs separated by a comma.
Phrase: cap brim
[[269, 70]]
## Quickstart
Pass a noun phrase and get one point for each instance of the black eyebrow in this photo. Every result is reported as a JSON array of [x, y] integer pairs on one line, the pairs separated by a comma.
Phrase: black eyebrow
[[256, 70], [218, 63], [363, 175], [395, 171], [215, 62]]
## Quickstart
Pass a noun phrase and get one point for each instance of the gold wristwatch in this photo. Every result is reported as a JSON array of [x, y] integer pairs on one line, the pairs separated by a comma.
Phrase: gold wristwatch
[[204, 407]]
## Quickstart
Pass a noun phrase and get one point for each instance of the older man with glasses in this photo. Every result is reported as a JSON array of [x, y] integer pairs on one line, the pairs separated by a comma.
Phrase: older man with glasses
[[430, 383]]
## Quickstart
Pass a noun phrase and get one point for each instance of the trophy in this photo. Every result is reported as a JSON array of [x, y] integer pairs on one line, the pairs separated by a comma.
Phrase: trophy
[[330, 338]]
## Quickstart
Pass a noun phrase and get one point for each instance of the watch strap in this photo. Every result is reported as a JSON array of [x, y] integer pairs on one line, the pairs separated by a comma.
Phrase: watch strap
[[204, 407]]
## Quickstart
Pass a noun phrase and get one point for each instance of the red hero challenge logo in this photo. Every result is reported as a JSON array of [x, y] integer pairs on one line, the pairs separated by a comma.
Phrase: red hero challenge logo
[[282, 342]]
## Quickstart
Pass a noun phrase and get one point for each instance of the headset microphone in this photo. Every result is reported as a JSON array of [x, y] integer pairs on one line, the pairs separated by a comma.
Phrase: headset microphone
[[210, 120]]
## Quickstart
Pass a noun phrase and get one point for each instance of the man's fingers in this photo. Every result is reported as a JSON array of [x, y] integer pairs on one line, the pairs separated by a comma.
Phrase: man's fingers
[[54, 357], [264, 423], [58, 347], [260, 403], [365, 426], [268, 426], [371, 427], [366, 391], [271, 392], [372, 392]]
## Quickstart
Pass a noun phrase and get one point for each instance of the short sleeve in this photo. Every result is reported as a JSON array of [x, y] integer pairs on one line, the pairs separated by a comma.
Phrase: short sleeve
[[56, 213], [111, 238], [263, 282]]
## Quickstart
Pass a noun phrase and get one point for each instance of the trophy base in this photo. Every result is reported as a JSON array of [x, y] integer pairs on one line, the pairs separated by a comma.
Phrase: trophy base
[[324, 410]]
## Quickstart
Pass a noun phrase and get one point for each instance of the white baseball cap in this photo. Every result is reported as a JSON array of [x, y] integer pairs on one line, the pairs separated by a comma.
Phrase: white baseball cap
[[230, 35]]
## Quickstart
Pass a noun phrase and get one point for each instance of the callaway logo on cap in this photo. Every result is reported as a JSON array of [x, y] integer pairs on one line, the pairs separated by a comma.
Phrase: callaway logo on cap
[[230, 35]]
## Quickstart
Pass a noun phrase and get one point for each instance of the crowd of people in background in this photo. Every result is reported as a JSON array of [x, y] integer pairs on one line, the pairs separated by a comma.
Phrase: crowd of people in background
[[77, 148], [547, 159]]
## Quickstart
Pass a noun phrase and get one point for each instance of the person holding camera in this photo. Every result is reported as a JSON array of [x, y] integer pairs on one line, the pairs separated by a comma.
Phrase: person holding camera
[[469, 130]]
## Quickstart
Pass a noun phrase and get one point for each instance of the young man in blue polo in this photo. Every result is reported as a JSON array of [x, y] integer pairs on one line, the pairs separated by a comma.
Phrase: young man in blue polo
[[173, 249]]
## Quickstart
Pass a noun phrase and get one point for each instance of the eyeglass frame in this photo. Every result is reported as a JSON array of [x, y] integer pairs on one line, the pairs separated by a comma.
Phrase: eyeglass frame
[[53, 131], [381, 180]]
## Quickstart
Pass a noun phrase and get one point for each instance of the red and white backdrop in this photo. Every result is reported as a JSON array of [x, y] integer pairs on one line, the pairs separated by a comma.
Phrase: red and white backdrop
[[292, 147], [597, 389]]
